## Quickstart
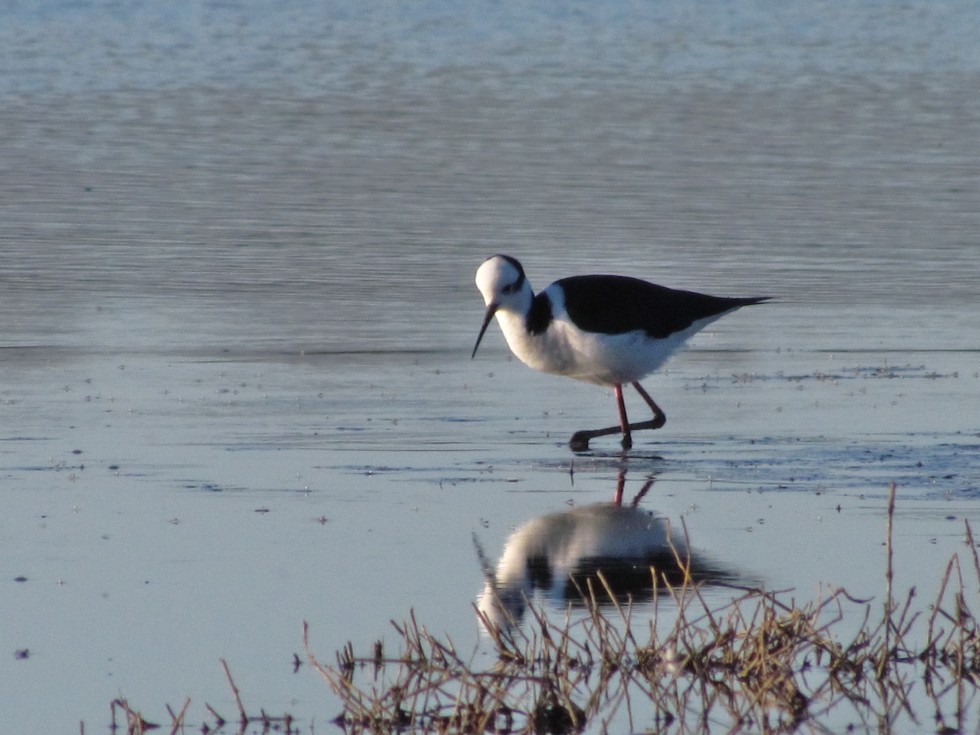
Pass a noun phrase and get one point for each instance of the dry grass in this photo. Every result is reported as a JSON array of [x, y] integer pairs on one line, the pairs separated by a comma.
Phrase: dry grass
[[261, 723]]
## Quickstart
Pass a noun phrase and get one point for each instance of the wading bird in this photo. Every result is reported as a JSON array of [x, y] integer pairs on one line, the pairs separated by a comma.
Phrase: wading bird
[[607, 330]]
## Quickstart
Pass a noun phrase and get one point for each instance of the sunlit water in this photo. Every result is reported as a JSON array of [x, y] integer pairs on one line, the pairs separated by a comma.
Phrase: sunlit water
[[236, 294]]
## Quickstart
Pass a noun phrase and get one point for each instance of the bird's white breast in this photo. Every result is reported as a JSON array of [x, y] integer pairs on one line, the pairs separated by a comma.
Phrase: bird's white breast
[[594, 357]]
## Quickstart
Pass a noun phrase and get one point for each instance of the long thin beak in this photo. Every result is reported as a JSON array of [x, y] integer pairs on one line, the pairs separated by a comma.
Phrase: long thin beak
[[491, 310]]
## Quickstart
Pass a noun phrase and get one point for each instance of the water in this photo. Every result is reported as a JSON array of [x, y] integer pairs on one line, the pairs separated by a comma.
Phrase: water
[[238, 244]]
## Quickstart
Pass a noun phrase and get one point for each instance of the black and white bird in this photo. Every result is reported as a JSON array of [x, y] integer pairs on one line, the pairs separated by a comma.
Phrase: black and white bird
[[602, 329]]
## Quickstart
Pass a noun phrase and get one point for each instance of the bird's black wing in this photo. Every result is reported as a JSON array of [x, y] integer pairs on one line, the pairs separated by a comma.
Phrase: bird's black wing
[[619, 304]]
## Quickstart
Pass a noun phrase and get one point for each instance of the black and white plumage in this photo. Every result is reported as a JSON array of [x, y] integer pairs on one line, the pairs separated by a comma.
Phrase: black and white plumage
[[608, 330]]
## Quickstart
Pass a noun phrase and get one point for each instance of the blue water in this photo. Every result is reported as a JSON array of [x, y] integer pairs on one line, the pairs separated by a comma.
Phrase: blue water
[[317, 48], [237, 244]]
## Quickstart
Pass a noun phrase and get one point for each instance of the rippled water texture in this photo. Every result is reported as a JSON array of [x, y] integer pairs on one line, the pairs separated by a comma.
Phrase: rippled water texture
[[237, 244]]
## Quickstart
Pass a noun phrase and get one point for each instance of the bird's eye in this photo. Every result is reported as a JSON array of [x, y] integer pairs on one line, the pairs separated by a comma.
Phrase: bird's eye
[[509, 288]]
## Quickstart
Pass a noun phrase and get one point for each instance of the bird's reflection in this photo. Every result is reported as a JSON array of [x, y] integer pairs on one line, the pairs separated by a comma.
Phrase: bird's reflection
[[609, 548]]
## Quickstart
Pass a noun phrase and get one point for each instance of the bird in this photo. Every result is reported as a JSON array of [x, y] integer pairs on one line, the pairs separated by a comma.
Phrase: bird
[[609, 330]]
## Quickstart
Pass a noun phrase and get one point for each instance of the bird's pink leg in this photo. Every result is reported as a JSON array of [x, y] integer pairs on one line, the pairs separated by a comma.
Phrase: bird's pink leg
[[659, 417], [580, 439], [624, 422]]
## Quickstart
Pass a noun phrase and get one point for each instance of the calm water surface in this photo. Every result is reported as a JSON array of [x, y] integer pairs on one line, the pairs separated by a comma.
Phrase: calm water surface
[[236, 293]]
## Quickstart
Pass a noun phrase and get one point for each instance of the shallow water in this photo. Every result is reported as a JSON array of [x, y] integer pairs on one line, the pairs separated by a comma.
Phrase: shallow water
[[236, 290]]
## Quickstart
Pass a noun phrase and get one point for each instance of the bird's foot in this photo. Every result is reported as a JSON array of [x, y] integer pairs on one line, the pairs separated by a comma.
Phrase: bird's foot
[[580, 439], [579, 443]]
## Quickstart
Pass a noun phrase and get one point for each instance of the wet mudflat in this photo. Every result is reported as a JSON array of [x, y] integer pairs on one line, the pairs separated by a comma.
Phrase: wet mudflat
[[181, 510], [237, 308]]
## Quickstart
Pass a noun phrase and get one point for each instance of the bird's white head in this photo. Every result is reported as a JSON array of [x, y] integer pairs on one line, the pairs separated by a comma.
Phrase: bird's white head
[[504, 286]]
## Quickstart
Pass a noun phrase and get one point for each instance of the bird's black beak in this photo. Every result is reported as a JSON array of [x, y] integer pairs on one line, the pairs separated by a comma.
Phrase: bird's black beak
[[491, 310]]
